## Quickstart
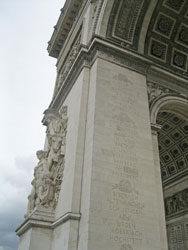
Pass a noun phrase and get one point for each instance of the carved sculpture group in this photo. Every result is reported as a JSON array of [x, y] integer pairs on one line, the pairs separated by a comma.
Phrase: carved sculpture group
[[48, 173], [177, 203]]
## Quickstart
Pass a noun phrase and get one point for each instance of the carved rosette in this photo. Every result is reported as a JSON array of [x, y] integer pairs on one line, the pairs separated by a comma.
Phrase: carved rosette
[[48, 174]]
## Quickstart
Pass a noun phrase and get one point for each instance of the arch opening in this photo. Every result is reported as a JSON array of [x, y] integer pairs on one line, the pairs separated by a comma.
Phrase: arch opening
[[172, 116]]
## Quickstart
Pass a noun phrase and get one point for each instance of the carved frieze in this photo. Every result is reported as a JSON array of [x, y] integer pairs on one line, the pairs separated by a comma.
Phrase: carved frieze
[[177, 203], [48, 174], [96, 9], [125, 21], [69, 61], [155, 91]]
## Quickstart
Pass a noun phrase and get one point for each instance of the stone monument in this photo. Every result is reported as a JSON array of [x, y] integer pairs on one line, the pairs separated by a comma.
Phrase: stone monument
[[113, 173]]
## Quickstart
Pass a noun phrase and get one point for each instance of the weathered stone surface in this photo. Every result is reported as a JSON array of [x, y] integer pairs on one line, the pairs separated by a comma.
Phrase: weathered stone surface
[[113, 171]]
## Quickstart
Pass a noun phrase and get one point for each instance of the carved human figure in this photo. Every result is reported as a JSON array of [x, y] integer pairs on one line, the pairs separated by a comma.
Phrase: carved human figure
[[175, 205], [34, 197], [43, 163], [53, 125], [48, 173], [64, 129], [54, 151], [49, 190], [181, 201], [169, 206], [31, 198]]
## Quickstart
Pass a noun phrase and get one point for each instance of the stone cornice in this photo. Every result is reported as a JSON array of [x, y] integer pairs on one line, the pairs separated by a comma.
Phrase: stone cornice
[[101, 48], [40, 217], [155, 128], [66, 217], [166, 79], [43, 219], [63, 26]]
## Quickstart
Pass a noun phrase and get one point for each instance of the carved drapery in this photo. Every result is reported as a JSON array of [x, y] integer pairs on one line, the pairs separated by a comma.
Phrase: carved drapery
[[48, 174]]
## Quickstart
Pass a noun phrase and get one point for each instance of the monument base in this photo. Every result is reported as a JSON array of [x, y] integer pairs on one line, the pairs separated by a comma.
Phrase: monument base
[[36, 231]]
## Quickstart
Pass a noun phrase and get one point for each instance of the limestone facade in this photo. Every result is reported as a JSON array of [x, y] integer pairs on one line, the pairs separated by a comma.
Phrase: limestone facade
[[113, 173]]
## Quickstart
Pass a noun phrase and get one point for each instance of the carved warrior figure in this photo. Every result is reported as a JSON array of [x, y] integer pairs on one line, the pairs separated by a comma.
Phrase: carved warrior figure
[[177, 203], [48, 173]]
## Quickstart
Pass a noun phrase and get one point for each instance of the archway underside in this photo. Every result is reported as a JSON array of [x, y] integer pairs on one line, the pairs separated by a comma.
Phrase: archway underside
[[173, 146], [162, 26], [173, 152]]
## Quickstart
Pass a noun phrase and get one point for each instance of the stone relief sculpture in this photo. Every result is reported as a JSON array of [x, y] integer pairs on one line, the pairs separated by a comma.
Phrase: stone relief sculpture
[[154, 91], [176, 203], [48, 173], [70, 60]]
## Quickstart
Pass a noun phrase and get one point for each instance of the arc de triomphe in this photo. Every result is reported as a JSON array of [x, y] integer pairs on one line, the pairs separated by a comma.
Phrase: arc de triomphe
[[113, 173]]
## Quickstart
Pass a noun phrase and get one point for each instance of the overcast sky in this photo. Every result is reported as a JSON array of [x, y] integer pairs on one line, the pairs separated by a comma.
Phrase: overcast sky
[[27, 77]]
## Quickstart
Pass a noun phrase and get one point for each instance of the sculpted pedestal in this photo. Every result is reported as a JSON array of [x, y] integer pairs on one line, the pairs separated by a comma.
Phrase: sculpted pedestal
[[36, 230]]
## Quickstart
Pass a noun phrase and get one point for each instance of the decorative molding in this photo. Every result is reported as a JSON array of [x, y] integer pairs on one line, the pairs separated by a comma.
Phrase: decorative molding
[[125, 22], [182, 35], [164, 25], [155, 91], [44, 218], [96, 12], [179, 59], [100, 48], [174, 5], [155, 128], [69, 14], [48, 174], [87, 55], [177, 204], [167, 36], [69, 61], [158, 49], [66, 217]]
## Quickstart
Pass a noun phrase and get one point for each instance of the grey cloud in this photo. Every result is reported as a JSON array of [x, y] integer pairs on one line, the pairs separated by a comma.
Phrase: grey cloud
[[8, 238], [15, 187]]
